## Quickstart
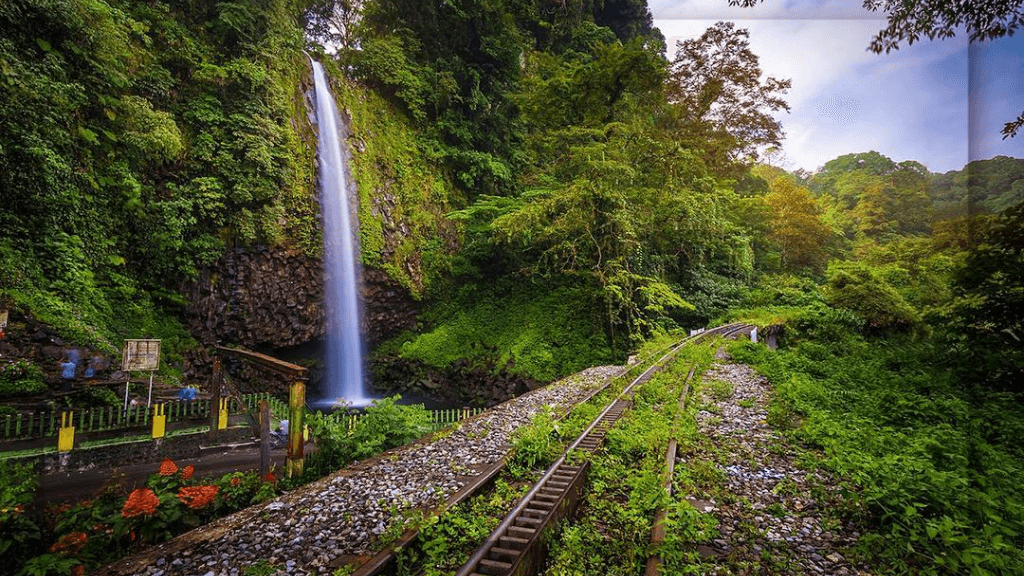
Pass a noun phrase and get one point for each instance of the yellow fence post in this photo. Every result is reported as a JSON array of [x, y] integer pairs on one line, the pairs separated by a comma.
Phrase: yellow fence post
[[159, 421], [222, 417], [66, 437]]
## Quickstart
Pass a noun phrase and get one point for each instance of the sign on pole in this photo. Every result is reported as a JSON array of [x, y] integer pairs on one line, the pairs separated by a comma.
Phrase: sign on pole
[[140, 356]]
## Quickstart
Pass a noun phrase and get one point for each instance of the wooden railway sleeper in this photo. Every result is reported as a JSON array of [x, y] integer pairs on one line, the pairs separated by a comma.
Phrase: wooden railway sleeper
[[521, 532], [493, 567], [503, 554], [517, 534], [512, 543]]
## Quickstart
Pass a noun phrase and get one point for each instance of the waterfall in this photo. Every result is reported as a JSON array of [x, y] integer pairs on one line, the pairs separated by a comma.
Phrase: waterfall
[[345, 373]]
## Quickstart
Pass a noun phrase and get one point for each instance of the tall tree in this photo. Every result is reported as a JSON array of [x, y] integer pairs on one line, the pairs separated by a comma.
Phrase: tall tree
[[796, 225], [715, 82], [989, 310]]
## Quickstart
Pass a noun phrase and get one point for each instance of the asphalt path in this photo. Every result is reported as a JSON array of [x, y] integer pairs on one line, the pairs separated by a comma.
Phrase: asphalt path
[[60, 487]]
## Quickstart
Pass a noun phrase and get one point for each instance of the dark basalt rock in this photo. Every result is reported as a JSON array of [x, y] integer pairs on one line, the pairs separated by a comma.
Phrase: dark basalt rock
[[267, 298]]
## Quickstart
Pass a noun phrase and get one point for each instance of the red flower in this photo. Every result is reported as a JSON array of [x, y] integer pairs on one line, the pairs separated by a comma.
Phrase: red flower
[[197, 497], [236, 481], [271, 478], [69, 543], [168, 467], [187, 472], [140, 501], [78, 570]]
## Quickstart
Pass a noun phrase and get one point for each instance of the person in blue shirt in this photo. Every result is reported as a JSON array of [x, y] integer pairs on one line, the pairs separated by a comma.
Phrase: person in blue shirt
[[67, 372], [187, 393]]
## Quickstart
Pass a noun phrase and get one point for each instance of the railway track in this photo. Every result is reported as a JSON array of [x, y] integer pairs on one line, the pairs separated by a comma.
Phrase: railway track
[[340, 521], [517, 546]]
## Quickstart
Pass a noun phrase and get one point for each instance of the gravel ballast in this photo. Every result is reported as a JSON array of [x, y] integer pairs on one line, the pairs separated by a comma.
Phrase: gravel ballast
[[771, 518], [342, 515]]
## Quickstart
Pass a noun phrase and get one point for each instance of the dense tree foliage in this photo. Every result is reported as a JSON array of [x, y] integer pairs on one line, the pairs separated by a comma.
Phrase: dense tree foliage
[[716, 83], [988, 313]]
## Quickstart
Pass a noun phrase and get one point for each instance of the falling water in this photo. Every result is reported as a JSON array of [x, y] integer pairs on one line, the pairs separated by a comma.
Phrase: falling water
[[344, 376]]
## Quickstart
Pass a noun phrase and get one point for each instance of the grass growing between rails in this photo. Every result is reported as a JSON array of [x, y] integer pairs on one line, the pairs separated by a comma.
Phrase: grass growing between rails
[[936, 467], [612, 533]]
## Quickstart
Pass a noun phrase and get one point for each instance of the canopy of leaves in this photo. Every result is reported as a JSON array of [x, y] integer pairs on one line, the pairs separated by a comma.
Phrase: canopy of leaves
[[716, 81], [982, 186], [139, 142], [796, 225], [989, 309], [857, 288]]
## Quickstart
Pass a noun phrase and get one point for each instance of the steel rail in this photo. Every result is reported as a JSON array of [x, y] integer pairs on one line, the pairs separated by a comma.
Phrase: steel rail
[[515, 547]]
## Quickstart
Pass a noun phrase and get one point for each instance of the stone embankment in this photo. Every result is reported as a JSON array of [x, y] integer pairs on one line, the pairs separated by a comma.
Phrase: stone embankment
[[770, 512], [310, 529]]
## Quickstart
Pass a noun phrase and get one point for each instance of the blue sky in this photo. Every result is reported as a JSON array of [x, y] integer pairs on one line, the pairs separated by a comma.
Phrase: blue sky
[[939, 102]]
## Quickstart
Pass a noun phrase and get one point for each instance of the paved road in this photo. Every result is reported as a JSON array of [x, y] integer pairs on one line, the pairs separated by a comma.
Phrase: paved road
[[71, 486]]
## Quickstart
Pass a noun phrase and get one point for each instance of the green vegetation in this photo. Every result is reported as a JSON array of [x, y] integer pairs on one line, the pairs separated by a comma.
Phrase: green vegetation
[[384, 424], [139, 143], [612, 532], [541, 331], [933, 467], [21, 378], [115, 523], [446, 541]]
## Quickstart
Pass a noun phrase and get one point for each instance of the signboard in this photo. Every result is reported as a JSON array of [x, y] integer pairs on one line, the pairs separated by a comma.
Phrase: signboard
[[141, 356], [3, 323]]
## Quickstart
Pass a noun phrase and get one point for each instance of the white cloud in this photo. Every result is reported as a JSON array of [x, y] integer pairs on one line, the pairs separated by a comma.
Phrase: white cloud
[[770, 9]]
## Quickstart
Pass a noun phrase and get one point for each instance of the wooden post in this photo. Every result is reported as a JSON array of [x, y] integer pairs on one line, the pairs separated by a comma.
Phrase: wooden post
[[159, 421], [218, 376], [66, 436], [296, 406], [264, 439]]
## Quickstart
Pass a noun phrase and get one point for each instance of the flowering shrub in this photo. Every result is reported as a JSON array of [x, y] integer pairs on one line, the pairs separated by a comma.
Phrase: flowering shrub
[[168, 467], [142, 501], [70, 543], [196, 497], [72, 539]]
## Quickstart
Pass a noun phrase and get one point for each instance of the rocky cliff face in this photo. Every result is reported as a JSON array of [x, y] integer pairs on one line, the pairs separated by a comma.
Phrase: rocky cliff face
[[258, 298], [274, 298]]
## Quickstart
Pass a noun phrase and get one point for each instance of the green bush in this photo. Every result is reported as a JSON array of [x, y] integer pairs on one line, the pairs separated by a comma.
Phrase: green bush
[[535, 445], [384, 424], [541, 331], [857, 288], [21, 378], [935, 467], [19, 534], [96, 396]]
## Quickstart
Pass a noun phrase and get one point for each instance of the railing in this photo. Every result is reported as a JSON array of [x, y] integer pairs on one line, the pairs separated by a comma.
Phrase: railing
[[111, 418], [438, 418]]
